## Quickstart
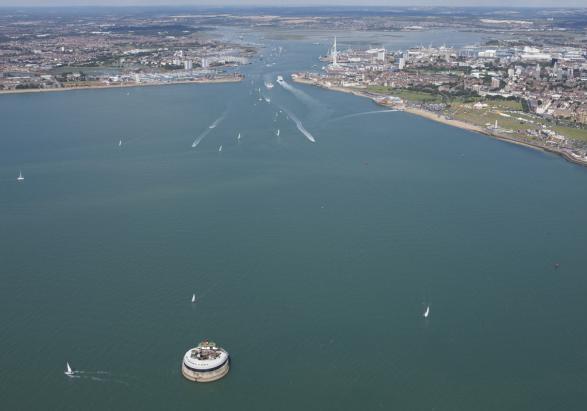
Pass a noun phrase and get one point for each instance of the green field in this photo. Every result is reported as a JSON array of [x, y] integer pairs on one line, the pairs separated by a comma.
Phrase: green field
[[461, 108], [571, 132], [409, 95]]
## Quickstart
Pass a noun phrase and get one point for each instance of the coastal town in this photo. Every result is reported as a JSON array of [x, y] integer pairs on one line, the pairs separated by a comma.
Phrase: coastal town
[[65, 52], [522, 93], [214, 205], [526, 84]]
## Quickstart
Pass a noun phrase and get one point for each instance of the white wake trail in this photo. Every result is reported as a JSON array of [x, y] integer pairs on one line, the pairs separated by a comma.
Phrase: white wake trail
[[306, 98], [211, 127], [363, 114], [299, 125], [101, 376]]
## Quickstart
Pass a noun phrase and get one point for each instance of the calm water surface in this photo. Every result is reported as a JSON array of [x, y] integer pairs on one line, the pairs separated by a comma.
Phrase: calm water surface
[[313, 263]]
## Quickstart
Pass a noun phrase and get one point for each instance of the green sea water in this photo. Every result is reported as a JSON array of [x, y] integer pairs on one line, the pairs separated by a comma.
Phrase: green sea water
[[312, 262]]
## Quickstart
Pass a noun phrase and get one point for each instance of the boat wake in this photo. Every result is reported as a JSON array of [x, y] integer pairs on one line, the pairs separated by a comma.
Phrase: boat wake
[[100, 376], [304, 97], [217, 121], [299, 125], [93, 372], [211, 127], [362, 114]]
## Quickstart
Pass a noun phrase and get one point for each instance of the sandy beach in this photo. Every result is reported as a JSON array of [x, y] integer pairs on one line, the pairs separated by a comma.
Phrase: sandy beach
[[450, 122]]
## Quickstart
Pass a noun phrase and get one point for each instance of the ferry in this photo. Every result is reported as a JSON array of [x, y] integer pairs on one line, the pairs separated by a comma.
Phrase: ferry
[[205, 363]]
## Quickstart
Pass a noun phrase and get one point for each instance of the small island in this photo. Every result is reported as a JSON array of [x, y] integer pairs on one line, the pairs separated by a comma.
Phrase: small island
[[205, 363]]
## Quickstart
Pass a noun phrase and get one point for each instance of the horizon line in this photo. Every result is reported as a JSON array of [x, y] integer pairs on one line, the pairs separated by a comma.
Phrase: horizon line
[[279, 6]]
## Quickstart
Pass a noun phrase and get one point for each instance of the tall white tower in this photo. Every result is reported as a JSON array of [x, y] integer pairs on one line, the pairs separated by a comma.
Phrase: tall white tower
[[334, 62]]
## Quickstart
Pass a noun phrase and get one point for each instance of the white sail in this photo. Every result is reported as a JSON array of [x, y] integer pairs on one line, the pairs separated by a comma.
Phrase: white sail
[[194, 298], [239, 136], [68, 370], [119, 143], [220, 148], [427, 312], [277, 133]]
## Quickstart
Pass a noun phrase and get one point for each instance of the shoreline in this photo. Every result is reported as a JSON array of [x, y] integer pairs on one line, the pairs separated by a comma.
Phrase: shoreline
[[128, 85], [449, 122]]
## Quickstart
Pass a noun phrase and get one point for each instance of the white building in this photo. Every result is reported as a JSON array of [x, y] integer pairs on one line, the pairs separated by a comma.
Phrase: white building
[[488, 54]]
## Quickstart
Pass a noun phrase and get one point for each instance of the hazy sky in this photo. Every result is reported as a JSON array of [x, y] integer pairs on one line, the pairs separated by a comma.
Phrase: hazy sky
[[579, 3]]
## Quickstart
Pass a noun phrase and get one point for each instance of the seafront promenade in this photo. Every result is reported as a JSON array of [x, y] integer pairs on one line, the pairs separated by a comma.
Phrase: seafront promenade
[[418, 111], [227, 79]]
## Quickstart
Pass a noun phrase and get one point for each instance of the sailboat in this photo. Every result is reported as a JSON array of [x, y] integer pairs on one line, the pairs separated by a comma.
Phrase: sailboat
[[238, 138], [68, 370], [20, 177], [220, 148], [119, 143], [427, 312], [277, 134], [194, 298]]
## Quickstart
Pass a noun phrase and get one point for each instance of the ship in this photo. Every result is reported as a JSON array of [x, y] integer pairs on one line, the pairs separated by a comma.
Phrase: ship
[[269, 85], [205, 363]]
